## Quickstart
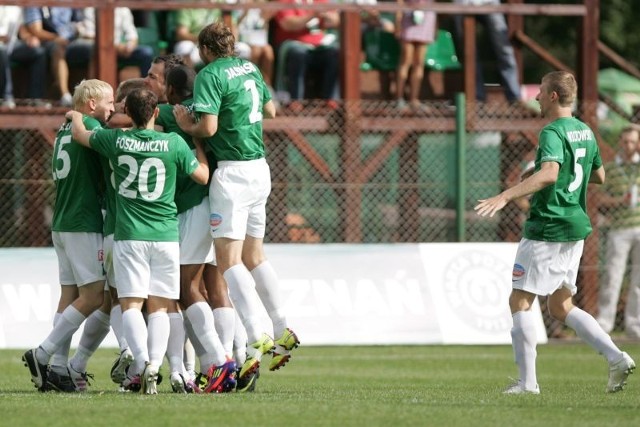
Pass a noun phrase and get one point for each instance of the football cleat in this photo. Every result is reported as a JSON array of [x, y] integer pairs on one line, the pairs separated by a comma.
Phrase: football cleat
[[519, 388], [149, 379], [38, 370], [222, 379], [289, 340], [59, 382], [120, 365], [618, 373], [248, 383]]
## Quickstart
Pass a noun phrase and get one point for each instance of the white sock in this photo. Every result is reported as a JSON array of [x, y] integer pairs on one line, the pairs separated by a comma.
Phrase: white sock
[[69, 322], [175, 347], [189, 357], [159, 330], [225, 320], [201, 319], [59, 359], [95, 329], [523, 337], [268, 290], [116, 325], [135, 331], [588, 330], [193, 339], [245, 299], [239, 342]]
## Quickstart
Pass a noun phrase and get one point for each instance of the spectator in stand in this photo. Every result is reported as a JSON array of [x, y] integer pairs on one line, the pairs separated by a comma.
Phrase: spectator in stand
[[302, 43], [54, 29], [495, 25], [415, 29], [125, 36], [620, 197], [252, 27], [189, 22], [10, 18]]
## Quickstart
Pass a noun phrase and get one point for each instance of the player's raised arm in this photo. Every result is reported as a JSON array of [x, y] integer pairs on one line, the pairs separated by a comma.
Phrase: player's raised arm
[[78, 129], [201, 174]]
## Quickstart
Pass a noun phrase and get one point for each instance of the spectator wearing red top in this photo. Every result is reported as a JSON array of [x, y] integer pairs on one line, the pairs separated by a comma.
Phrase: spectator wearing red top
[[301, 43]]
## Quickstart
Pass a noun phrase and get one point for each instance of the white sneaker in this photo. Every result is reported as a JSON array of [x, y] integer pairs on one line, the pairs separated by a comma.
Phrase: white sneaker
[[149, 379], [618, 373], [519, 388], [66, 100]]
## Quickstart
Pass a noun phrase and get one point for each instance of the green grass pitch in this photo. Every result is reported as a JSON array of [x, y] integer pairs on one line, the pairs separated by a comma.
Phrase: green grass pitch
[[351, 386]]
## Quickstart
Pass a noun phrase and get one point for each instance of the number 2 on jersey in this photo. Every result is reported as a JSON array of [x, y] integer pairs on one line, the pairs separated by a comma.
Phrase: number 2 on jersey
[[577, 181], [143, 178]]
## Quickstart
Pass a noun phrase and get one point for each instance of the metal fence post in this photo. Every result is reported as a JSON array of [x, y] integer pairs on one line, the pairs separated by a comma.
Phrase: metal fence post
[[461, 165]]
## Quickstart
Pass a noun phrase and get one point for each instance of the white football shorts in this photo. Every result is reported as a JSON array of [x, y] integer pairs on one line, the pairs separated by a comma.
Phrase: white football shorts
[[79, 257], [238, 196], [196, 244], [544, 267], [147, 268], [107, 247]]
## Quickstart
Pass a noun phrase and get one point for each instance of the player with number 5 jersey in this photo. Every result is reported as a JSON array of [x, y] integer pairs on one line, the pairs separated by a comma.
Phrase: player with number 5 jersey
[[548, 256]]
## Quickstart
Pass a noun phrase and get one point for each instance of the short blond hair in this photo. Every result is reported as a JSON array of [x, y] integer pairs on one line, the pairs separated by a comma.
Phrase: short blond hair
[[90, 89], [564, 84]]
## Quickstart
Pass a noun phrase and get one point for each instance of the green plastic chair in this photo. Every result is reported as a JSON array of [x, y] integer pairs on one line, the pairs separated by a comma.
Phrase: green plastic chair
[[441, 54], [381, 49]]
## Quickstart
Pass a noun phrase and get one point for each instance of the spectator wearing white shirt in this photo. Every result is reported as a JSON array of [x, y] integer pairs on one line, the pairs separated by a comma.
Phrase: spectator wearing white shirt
[[10, 18], [125, 39]]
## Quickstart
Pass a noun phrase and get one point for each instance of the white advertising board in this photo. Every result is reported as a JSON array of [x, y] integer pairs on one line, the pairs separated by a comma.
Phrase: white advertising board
[[334, 294]]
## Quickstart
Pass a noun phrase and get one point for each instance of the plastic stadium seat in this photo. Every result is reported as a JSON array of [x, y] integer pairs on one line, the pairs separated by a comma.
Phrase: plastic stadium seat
[[381, 49], [441, 54]]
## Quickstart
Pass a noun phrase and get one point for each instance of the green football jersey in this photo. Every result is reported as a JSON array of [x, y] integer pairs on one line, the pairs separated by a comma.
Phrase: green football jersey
[[233, 89], [77, 175], [621, 180], [109, 197], [188, 192], [146, 163], [559, 211]]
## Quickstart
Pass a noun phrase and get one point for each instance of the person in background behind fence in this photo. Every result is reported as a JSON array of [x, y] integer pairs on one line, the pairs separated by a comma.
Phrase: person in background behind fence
[[495, 26], [416, 29], [10, 19], [620, 197], [548, 256]]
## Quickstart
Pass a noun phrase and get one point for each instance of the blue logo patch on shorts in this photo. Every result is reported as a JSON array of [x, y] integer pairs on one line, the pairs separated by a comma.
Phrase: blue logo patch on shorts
[[214, 221], [518, 272]]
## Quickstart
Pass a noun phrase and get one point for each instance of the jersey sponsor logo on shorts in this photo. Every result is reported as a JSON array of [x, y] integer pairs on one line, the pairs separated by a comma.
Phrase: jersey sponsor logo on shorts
[[215, 220], [518, 272], [101, 255]]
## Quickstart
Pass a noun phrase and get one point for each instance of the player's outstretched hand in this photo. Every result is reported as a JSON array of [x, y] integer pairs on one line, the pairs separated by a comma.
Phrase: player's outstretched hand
[[490, 206]]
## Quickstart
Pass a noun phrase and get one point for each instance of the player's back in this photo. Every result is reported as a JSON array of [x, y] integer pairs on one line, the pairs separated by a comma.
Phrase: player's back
[[558, 212], [233, 89]]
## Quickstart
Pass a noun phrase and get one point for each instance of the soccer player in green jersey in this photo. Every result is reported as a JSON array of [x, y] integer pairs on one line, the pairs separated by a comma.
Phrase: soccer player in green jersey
[[146, 253], [77, 239], [196, 244], [231, 98], [549, 254]]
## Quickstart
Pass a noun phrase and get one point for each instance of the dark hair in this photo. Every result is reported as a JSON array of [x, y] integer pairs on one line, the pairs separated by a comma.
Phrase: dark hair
[[127, 86], [170, 61], [219, 39], [181, 78], [140, 106]]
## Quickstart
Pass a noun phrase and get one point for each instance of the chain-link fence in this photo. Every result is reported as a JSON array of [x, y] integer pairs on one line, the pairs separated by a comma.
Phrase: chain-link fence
[[361, 171]]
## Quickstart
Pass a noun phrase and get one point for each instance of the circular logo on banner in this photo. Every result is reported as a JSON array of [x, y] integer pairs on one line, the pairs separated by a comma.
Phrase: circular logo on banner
[[477, 287]]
